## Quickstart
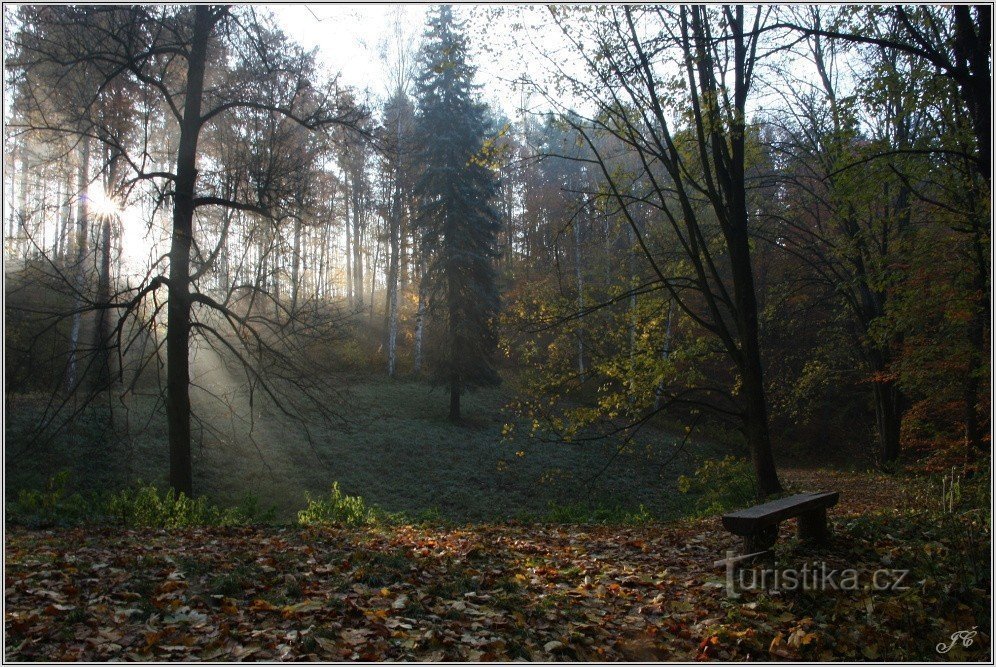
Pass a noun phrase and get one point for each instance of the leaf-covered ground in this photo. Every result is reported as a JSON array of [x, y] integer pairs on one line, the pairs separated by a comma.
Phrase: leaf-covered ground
[[490, 592]]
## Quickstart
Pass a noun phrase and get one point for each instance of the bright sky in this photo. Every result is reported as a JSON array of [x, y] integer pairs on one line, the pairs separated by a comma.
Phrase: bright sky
[[505, 41], [350, 39]]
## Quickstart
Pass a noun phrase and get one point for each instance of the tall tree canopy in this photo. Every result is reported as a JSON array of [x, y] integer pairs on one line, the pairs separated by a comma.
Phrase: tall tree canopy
[[455, 217]]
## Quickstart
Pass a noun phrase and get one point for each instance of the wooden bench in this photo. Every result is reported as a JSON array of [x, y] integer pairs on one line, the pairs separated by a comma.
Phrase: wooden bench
[[759, 525]]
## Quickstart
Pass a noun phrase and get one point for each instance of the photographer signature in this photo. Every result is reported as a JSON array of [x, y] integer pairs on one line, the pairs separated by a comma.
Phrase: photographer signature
[[963, 637]]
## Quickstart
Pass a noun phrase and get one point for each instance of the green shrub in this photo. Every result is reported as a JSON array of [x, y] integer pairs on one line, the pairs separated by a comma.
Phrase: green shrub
[[336, 510], [147, 507], [720, 485]]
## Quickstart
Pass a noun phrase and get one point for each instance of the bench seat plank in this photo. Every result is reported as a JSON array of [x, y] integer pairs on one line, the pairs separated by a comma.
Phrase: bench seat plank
[[751, 520]]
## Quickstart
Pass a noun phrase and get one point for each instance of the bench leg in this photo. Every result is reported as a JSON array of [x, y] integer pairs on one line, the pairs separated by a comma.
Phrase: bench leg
[[762, 540], [813, 527]]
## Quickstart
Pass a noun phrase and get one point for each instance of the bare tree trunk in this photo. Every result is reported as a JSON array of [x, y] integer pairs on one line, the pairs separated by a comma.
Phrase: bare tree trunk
[[888, 411], [14, 172], [973, 51], [730, 172], [357, 241], [67, 217], [102, 330], [631, 270], [80, 264], [665, 354], [307, 256], [40, 232], [296, 264], [392, 278], [349, 254], [57, 239], [320, 283], [224, 263], [373, 276], [23, 215], [262, 264], [419, 319], [888, 420], [579, 281], [178, 308], [275, 248], [404, 254], [756, 413], [456, 387]]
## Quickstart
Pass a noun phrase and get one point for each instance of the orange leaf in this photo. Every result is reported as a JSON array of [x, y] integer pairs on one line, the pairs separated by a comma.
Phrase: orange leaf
[[261, 605]]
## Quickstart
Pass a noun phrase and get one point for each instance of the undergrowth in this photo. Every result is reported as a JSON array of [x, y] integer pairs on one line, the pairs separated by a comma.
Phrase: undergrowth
[[146, 506], [141, 506], [720, 485], [588, 513]]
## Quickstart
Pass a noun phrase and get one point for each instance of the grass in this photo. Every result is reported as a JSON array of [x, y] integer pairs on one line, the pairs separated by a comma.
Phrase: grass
[[400, 453]]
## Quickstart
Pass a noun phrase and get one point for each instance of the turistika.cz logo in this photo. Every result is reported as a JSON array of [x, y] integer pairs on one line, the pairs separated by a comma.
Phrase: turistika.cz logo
[[815, 576]]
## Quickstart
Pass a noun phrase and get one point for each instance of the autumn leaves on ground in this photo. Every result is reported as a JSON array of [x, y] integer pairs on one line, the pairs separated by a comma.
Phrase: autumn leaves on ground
[[500, 591]]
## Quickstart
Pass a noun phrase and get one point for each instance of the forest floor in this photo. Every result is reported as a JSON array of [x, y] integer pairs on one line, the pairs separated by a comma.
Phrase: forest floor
[[503, 591], [400, 453]]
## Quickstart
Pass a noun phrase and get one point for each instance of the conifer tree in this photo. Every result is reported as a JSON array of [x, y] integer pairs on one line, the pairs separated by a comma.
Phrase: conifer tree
[[455, 218]]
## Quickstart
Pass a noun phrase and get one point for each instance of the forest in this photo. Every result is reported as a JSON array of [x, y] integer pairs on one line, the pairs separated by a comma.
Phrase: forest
[[465, 343]]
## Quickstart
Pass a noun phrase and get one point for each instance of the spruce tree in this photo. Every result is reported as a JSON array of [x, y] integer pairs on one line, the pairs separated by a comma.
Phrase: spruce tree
[[455, 218]]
